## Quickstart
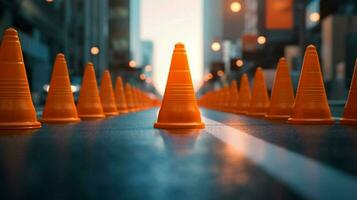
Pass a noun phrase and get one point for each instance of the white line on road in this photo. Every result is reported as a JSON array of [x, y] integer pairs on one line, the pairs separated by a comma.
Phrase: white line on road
[[308, 177]]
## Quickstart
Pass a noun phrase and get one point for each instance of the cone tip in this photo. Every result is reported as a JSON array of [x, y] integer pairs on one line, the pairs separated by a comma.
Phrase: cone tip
[[10, 32], [259, 68], [60, 56], [282, 59], [310, 48], [179, 45], [90, 65]]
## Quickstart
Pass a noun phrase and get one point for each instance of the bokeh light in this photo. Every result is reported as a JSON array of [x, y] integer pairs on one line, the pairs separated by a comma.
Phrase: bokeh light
[[148, 80], [220, 73], [132, 63], [261, 40], [94, 50], [239, 63], [314, 17], [148, 68], [216, 46], [236, 6], [142, 76]]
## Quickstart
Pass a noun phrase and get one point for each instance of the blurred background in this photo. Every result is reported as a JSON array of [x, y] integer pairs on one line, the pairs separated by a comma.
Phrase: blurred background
[[223, 38]]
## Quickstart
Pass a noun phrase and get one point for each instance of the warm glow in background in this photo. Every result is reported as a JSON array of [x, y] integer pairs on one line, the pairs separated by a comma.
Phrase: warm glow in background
[[167, 22]]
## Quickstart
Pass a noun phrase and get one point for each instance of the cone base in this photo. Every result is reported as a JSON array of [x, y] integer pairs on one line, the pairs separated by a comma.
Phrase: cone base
[[225, 110], [92, 117], [298, 121], [60, 120], [241, 112], [232, 112], [20, 125], [131, 110], [256, 114], [193, 125], [348, 121], [110, 114], [123, 112], [269, 116]]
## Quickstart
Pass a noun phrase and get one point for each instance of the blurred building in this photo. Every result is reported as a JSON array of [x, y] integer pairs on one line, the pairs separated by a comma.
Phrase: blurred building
[[105, 32], [135, 41], [147, 50], [262, 31], [119, 40], [79, 29], [223, 26], [125, 45]]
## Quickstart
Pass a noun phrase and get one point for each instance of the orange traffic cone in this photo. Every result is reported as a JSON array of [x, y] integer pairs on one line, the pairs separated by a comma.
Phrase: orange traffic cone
[[60, 106], [179, 107], [259, 104], [225, 98], [129, 98], [233, 97], [107, 96], [120, 96], [135, 99], [311, 106], [220, 99], [138, 99], [282, 95], [89, 105], [16, 107], [350, 112], [244, 96]]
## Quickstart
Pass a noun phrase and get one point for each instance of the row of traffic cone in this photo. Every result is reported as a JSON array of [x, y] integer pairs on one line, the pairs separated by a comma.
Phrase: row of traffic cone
[[92, 104], [309, 107], [17, 110]]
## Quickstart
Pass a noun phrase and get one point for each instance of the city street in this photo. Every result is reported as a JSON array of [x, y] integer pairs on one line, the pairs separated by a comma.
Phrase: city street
[[234, 157]]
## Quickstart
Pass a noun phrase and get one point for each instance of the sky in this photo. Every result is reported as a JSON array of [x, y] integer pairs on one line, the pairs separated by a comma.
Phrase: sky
[[166, 22]]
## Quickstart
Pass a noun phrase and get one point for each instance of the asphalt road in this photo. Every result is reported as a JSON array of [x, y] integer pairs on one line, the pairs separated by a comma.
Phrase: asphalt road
[[235, 157]]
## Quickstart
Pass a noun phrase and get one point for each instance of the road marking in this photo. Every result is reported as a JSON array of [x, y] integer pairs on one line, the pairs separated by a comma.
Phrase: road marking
[[308, 177]]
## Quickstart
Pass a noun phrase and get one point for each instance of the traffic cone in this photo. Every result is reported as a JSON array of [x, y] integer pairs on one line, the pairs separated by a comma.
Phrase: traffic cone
[[225, 99], [244, 95], [89, 105], [179, 109], [16, 108], [107, 96], [140, 99], [220, 95], [218, 99], [60, 106], [135, 99], [120, 96], [233, 97], [259, 104], [350, 112], [311, 106], [282, 95], [129, 98]]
